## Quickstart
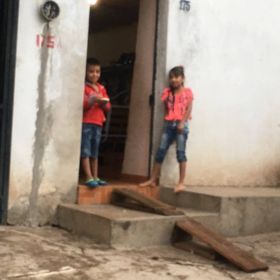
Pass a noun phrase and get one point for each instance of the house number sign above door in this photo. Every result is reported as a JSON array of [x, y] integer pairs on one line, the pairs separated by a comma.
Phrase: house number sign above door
[[185, 5]]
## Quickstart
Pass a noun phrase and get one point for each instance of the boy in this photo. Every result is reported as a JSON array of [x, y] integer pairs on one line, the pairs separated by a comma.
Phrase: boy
[[96, 104]]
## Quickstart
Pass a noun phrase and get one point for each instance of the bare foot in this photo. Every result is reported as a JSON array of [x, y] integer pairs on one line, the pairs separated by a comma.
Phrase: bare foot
[[179, 188], [150, 183]]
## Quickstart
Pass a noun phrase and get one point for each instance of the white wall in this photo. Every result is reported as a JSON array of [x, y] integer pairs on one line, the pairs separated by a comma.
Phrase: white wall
[[107, 45], [231, 53], [136, 160], [47, 112]]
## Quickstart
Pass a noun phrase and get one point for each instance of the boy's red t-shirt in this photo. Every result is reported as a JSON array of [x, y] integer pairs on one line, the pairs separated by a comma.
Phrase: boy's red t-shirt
[[177, 104], [95, 114]]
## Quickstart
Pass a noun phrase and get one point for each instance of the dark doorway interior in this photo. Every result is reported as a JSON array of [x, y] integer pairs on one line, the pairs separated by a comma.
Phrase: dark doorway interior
[[112, 40], [8, 35]]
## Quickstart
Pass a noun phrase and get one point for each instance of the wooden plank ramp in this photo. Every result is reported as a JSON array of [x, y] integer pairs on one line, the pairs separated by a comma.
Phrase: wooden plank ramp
[[197, 249], [242, 259], [134, 200]]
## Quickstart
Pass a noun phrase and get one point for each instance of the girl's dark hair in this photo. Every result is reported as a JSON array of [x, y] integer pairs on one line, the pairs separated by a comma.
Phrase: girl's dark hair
[[93, 61], [177, 71]]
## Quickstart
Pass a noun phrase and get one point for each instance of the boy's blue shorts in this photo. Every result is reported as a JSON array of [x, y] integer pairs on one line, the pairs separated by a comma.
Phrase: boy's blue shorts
[[91, 138]]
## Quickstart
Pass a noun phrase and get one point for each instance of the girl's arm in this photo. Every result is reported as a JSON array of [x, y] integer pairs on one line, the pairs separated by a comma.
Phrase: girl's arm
[[164, 97], [188, 112]]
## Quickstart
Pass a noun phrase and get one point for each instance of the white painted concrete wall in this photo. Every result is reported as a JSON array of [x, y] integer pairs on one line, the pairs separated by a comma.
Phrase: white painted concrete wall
[[231, 53], [136, 160], [47, 112]]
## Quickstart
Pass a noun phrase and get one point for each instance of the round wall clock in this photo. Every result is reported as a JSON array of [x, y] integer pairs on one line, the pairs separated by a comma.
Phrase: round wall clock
[[50, 10]]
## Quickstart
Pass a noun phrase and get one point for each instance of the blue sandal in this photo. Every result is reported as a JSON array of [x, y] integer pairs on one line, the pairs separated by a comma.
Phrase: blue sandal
[[101, 182], [91, 183]]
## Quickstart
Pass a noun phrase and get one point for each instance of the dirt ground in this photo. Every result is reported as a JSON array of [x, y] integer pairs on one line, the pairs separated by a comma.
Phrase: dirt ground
[[50, 253]]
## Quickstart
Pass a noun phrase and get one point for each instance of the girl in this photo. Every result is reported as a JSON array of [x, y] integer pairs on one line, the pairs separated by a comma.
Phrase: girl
[[178, 106]]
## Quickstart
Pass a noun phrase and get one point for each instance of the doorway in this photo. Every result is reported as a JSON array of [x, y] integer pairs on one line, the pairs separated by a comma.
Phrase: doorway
[[8, 35], [112, 40]]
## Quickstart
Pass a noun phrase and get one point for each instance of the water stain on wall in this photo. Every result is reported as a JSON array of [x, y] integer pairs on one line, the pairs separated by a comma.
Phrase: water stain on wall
[[44, 122]]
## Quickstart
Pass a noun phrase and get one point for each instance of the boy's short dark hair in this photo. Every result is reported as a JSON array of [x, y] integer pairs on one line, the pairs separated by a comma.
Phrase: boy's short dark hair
[[93, 61]]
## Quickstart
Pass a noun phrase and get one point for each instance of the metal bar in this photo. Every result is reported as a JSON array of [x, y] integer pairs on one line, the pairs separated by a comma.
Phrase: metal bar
[[114, 136], [9, 17], [153, 88], [120, 107]]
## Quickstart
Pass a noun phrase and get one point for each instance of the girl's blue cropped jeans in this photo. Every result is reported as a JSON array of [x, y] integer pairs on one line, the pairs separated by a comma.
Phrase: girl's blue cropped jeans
[[170, 134]]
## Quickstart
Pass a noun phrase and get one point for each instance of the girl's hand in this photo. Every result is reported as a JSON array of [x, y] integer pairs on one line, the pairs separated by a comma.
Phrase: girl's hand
[[180, 127]]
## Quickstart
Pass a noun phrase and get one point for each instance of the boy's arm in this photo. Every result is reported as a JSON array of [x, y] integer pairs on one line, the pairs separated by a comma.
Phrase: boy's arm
[[107, 106], [86, 103], [89, 101]]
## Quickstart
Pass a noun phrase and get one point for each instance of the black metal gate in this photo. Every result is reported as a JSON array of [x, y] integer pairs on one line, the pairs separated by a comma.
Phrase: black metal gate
[[8, 35]]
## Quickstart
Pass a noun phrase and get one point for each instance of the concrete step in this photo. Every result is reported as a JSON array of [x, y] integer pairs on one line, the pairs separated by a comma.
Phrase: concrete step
[[102, 195], [242, 211], [191, 198], [119, 227], [230, 211]]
